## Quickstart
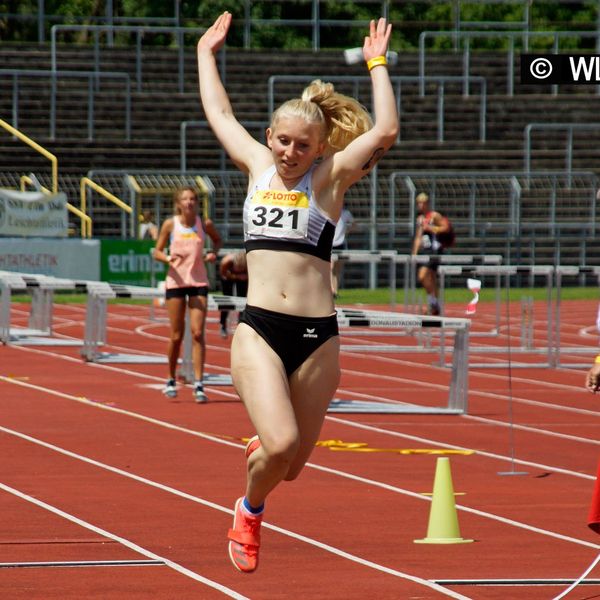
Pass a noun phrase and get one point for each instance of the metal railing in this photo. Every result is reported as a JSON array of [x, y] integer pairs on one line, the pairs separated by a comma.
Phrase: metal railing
[[183, 129], [41, 150], [54, 75], [139, 30], [397, 81], [86, 182], [480, 203], [312, 20], [510, 36], [569, 128]]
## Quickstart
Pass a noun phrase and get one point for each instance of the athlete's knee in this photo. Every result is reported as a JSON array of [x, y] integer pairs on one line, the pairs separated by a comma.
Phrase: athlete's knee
[[177, 337], [198, 336], [281, 449]]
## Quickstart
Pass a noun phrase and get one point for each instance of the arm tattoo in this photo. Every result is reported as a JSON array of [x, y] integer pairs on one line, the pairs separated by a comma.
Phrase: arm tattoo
[[374, 158]]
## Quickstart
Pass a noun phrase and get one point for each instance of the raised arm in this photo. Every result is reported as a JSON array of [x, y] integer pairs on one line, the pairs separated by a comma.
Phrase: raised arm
[[360, 156], [238, 143]]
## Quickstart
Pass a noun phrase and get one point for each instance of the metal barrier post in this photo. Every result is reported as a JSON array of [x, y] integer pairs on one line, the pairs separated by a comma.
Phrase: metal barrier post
[[95, 326], [459, 383], [4, 312], [40, 316]]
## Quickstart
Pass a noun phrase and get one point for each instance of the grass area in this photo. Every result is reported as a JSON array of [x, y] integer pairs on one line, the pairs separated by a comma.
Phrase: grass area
[[76, 298], [382, 295]]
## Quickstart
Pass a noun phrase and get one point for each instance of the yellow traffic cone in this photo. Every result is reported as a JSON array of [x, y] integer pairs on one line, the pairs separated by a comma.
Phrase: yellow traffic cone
[[443, 520]]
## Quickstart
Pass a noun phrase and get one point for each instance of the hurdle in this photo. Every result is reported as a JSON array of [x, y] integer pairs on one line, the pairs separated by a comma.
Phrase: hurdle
[[372, 257], [96, 311], [412, 262], [98, 293], [42, 288], [457, 396], [458, 388], [507, 271], [560, 272]]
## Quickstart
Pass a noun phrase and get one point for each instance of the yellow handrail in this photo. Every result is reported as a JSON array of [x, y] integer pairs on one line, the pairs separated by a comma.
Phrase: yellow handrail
[[86, 181], [86, 222], [39, 149], [205, 196]]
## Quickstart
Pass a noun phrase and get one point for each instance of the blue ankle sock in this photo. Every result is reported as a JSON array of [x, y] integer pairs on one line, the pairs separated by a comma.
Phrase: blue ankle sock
[[251, 509]]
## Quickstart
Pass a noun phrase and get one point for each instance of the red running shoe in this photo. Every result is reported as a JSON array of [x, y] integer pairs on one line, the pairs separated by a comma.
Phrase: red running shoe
[[252, 445], [244, 539]]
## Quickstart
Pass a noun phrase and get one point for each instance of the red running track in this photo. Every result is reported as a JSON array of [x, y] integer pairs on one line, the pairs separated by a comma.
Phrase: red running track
[[111, 491]]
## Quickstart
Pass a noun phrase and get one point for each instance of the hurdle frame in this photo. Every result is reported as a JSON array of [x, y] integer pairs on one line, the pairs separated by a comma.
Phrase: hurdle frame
[[507, 271], [458, 388], [560, 271]]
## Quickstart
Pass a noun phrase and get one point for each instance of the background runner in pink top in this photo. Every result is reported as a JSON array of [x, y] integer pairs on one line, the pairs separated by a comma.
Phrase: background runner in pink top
[[186, 282]]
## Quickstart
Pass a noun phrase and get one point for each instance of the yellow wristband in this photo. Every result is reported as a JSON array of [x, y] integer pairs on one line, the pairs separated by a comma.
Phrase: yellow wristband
[[376, 61], [597, 360]]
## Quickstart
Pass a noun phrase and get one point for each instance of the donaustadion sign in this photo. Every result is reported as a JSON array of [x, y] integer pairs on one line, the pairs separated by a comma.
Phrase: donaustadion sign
[[33, 214]]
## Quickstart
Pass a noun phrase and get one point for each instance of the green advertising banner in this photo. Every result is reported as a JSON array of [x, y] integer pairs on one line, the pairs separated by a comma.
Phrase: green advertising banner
[[129, 262]]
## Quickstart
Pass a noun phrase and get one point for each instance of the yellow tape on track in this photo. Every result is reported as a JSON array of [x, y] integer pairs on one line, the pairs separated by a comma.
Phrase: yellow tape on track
[[339, 445]]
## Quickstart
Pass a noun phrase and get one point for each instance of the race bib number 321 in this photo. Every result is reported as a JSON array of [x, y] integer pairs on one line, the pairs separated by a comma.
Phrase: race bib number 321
[[279, 214]]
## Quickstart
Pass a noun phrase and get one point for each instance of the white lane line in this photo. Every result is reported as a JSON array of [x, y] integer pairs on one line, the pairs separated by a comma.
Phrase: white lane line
[[342, 474], [563, 436], [499, 423], [121, 411], [207, 503], [138, 374], [125, 542], [367, 396], [475, 511]]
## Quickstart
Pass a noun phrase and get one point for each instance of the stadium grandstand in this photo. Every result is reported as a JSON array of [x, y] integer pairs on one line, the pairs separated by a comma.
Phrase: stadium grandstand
[[148, 370], [113, 96]]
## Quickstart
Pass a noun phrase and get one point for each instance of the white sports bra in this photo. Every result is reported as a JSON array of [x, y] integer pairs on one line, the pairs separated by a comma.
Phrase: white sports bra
[[286, 220]]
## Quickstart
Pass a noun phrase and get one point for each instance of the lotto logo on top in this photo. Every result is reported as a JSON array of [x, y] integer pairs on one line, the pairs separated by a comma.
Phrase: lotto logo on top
[[573, 69], [281, 198]]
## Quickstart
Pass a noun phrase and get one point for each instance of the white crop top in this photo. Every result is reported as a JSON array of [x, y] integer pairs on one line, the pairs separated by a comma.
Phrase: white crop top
[[286, 220]]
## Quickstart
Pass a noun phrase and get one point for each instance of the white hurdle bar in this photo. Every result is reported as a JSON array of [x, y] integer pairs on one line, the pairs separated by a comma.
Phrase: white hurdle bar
[[389, 257]]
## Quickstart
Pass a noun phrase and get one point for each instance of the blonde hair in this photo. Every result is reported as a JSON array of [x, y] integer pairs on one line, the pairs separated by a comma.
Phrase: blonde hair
[[341, 117], [422, 197], [178, 193]]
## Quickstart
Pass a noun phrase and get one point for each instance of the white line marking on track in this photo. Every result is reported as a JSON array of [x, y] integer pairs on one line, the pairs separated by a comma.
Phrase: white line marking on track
[[133, 546], [207, 503], [366, 396], [309, 464]]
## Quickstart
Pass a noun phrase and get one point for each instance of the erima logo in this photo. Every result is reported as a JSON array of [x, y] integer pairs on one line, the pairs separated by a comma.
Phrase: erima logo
[[310, 333]]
